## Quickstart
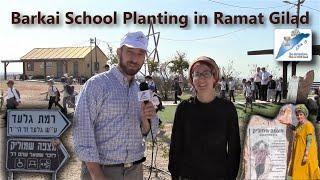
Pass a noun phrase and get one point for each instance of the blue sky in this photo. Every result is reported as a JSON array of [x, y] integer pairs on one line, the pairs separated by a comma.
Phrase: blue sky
[[233, 43]]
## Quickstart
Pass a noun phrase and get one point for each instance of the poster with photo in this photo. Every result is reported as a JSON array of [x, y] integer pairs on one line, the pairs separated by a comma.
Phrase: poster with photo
[[268, 156]]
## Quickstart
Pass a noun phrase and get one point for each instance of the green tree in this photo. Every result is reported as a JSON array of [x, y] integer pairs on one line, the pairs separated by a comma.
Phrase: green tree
[[153, 66], [179, 63]]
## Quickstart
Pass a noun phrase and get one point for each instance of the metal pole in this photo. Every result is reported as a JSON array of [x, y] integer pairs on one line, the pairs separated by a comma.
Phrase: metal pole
[[91, 58], [54, 176], [45, 70], [294, 64], [10, 176], [95, 49], [298, 12], [285, 78], [5, 70], [24, 68]]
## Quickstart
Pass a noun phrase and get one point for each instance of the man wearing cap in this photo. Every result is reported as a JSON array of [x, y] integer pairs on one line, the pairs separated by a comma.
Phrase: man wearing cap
[[110, 122]]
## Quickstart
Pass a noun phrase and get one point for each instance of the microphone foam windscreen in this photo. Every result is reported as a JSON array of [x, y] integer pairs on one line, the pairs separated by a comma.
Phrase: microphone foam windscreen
[[144, 86]]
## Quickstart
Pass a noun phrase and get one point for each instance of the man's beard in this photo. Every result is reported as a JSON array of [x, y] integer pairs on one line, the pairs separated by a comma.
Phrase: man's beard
[[127, 70]]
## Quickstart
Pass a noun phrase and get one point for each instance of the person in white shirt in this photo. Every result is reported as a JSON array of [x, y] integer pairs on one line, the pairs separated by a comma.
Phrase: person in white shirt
[[253, 89], [279, 89], [223, 88], [1, 98], [54, 95], [232, 88], [248, 95], [12, 96], [12, 99], [257, 81], [264, 83]]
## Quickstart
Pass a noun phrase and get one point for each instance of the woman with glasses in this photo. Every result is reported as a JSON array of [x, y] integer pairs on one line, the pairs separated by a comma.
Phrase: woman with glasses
[[205, 142]]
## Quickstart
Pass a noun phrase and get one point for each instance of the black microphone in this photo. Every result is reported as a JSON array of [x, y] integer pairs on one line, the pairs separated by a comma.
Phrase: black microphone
[[144, 94]]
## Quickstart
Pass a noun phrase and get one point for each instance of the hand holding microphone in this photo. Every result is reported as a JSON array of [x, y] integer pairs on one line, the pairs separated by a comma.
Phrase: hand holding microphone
[[147, 109]]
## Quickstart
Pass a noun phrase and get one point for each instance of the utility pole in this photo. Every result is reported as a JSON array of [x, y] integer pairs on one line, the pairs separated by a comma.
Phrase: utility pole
[[294, 63], [95, 49], [91, 41]]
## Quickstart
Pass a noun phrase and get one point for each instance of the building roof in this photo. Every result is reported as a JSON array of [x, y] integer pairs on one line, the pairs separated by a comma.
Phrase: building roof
[[58, 53]]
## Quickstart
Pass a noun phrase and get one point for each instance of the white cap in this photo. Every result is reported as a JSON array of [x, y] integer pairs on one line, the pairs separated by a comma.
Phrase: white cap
[[135, 40]]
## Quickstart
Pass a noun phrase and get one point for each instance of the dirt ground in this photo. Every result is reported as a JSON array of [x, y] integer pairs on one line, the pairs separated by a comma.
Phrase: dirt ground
[[31, 98]]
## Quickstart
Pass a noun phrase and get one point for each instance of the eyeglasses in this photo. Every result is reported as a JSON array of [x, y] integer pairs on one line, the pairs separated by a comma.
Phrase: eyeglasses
[[205, 74]]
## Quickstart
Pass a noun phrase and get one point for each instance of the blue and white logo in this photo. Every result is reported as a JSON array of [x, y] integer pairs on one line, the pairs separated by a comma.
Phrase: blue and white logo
[[293, 45]]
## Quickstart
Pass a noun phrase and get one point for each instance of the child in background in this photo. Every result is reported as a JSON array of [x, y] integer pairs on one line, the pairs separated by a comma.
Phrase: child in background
[[271, 92], [54, 95], [248, 95], [253, 89], [279, 90], [232, 88]]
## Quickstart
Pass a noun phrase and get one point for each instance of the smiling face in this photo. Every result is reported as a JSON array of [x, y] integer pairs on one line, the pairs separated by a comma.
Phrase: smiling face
[[203, 78], [131, 59], [301, 117]]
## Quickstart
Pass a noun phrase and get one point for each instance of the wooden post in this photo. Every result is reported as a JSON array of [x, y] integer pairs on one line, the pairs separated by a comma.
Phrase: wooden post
[[285, 78], [24, 68], [5, 70], [45, 70]]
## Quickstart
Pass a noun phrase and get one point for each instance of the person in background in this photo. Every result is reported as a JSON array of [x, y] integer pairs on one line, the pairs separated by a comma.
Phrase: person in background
[[12, 96], [151, 84], [110, 123], [232, 88], [271, 89], [68, 91], [249, 95], [205, 141], [264, 83], [279, 90], [253, 88], [177, 90], [106, 67], [223, 88], [257, 81], [244, 83], [1, 99], [304, 159], [54, 96]]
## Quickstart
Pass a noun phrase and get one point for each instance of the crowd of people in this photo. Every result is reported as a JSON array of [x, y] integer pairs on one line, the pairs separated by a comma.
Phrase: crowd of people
[[261, 86]]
